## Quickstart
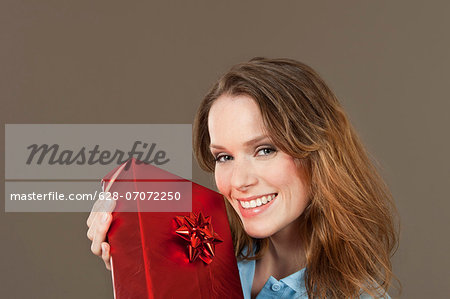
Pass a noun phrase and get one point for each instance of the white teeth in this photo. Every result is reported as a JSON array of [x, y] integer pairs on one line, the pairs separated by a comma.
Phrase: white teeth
[[258, 202], [244, 204]]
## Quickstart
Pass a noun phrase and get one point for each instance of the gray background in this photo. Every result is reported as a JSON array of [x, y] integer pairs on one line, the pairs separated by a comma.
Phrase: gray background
[[128, 62]]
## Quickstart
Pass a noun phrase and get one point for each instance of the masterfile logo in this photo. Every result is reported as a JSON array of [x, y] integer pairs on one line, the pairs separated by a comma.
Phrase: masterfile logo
[[53, 155], [71, 159], [85, 151]]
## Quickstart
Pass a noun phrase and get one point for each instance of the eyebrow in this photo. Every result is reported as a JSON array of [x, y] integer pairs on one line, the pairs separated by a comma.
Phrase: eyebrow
[[247, 143]]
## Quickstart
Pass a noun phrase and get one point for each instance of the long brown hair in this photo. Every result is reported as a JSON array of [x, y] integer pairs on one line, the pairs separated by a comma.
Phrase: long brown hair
[[348, 229]]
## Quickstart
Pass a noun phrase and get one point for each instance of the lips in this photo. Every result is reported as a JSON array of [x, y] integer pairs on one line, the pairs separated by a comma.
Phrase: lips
[[256, 205], [254, 197]]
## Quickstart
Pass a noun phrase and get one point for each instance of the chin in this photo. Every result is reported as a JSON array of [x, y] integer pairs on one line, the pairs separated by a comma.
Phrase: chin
[[253, 228], [257, 233]]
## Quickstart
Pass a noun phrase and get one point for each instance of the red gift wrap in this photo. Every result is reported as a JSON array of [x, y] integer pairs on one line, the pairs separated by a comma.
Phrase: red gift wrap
[[169, 254]]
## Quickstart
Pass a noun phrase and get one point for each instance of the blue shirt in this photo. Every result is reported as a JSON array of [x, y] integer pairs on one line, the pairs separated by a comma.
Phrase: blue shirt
[[292, 286]]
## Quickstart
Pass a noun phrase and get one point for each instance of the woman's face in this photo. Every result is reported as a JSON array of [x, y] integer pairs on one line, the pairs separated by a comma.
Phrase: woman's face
[[263, 184]]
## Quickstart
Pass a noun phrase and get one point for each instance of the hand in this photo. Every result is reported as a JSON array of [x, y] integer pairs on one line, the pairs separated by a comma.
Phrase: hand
[[99, 221]]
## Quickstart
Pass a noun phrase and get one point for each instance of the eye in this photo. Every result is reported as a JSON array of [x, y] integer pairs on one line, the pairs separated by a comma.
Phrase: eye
[[223, 158], [266, 151]]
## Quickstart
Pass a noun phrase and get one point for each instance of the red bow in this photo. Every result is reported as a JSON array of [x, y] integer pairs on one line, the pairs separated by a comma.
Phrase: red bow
[[198, 231]]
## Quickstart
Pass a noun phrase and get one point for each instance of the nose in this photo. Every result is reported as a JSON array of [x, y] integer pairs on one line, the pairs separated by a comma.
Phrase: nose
[[243, 175]]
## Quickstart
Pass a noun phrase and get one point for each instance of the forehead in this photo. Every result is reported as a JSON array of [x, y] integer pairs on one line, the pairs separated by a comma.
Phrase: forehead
[[235, 118]]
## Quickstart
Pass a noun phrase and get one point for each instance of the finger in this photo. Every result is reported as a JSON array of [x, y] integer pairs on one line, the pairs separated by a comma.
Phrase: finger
[[106, 255], [95, 209], [96, 221], [109, 204], [100, 232], [93, 226], [105, 205]]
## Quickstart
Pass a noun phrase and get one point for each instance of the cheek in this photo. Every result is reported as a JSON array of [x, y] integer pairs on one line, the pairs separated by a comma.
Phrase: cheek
[[285, 175], [222, 181], [282, 172]]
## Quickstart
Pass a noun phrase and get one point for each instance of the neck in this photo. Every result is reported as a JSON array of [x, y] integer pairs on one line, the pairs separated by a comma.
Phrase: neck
[[285, 254]]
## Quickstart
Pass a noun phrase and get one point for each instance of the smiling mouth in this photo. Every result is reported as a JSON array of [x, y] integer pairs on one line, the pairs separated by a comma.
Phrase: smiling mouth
[[261, 201]]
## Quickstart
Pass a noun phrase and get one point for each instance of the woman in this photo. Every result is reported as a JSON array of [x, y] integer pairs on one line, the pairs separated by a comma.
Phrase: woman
[[309, 214]]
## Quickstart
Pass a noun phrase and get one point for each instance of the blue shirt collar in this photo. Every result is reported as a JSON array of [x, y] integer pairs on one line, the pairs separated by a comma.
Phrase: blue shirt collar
[[247, 272], [296, 281]]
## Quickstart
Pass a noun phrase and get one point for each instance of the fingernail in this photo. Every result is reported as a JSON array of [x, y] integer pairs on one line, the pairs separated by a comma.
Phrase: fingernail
[[103, 247], [105, 217]]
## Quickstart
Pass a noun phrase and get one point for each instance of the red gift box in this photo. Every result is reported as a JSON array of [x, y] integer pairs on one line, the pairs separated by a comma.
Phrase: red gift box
[[169, 254]]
